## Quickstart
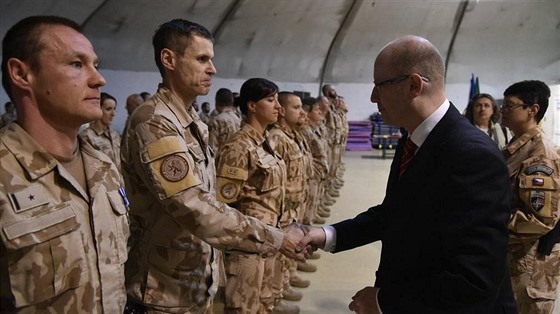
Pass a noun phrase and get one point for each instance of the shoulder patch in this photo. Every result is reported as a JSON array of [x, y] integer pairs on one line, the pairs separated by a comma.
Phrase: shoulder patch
[[229, 191], [174, 168], [539, 168]]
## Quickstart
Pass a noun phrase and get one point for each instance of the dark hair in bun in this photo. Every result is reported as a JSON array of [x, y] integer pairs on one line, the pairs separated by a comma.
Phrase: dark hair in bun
[[254, 89]]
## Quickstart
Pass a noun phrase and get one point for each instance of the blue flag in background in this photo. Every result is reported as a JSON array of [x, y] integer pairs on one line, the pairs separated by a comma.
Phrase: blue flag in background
[[475, 89]]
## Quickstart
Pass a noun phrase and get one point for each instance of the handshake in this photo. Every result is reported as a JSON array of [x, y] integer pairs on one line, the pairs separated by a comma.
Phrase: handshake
[[300, 241]]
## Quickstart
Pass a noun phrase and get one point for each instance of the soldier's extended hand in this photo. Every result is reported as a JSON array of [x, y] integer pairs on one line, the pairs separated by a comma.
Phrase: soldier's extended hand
[[293, 234]]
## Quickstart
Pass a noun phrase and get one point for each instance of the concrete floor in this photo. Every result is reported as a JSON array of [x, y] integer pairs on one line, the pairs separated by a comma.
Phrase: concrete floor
[[340, 276]]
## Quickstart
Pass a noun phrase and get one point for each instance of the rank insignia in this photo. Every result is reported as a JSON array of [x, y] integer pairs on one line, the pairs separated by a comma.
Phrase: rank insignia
[[229, 191], [537, 200], [537, 181], [174, 168]]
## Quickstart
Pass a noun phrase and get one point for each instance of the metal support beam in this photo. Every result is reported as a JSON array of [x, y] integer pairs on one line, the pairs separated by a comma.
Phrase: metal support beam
[[93, 13], [232, 8], [456, 25], [346, 22]]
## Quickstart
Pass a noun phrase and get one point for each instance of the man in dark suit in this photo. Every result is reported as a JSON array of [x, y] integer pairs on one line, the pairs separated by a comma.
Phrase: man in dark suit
[[443, 222]]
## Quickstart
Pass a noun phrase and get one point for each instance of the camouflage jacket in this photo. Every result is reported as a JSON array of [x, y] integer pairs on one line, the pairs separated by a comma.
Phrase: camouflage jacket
[[307, 156], [175, 218], [251, 177], [107, 141], [333, 126], [534, 168], [63, 249], [223, 127], [317, 147], [284, 144]]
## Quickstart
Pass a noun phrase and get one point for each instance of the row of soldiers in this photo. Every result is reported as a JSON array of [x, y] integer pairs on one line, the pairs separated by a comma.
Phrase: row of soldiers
[[309, 137], [329, 128]]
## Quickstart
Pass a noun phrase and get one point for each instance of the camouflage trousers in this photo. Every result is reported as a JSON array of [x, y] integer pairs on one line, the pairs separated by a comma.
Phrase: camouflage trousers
[[155, 309], [313, 200], [535, 279], [281, 276], [249, 280]]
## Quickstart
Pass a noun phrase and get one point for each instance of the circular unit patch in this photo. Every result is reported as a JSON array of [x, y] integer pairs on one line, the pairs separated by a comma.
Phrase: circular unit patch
[[229, 190], [174, 168]]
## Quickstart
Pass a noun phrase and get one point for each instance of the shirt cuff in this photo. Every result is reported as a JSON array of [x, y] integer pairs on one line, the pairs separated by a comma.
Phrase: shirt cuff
[[330, 238]]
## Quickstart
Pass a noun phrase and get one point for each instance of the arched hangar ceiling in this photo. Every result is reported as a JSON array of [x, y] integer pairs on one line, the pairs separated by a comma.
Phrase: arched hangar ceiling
[[315, 41]]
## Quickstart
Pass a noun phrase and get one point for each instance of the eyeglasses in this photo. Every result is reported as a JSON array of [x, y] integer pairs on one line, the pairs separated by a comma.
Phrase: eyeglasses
[[397, 80], [509, 107]]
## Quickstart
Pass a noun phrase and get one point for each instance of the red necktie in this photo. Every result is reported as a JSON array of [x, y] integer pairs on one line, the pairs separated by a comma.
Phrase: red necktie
[[409, 149]]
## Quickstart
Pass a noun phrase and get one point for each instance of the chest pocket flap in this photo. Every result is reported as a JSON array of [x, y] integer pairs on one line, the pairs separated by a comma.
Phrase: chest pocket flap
[[39, 229]]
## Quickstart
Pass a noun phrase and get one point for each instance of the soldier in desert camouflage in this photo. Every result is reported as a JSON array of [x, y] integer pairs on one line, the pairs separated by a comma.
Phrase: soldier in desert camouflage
[[226, 123], [320, 164], [283, 139], [176, 221], [251, 178], [99, 133], [534, 167], [63, 211]]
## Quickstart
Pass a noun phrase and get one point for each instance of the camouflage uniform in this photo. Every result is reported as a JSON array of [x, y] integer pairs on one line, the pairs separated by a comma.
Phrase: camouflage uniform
[[63, 249], [307, 173], [107, 141], [284, 144], [223, 127], [333, 136], [534, 169], [205, 117], [176, 219], [320, 170], [251, 178]]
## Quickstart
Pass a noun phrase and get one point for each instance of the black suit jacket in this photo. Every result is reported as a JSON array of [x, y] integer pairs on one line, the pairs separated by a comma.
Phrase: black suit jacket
[[443, 226]]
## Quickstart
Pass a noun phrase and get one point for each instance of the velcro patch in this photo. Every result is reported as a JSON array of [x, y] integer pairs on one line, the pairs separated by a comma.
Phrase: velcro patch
[[228, 189], [539, 168], [234, 172], [174, 168], [30, 197]]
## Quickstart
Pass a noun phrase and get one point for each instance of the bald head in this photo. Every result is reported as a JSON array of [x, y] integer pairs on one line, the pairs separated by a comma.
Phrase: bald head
[[413, 54], [132, 102]]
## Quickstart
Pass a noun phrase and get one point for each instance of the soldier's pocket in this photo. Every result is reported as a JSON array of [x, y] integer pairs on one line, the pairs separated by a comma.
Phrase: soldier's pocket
[[122, 230], [45, 255], [270, 179], [545, 276]]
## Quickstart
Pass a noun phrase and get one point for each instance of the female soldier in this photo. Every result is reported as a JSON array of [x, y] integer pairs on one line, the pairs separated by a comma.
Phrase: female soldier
[[99, 133], [251, 178]]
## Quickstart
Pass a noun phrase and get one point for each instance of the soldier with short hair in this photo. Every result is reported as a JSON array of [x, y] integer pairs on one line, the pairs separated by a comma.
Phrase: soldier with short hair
[[320, 163], [177, 223], [534, 172], [283, 139], [63, 210], [224, 125]]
